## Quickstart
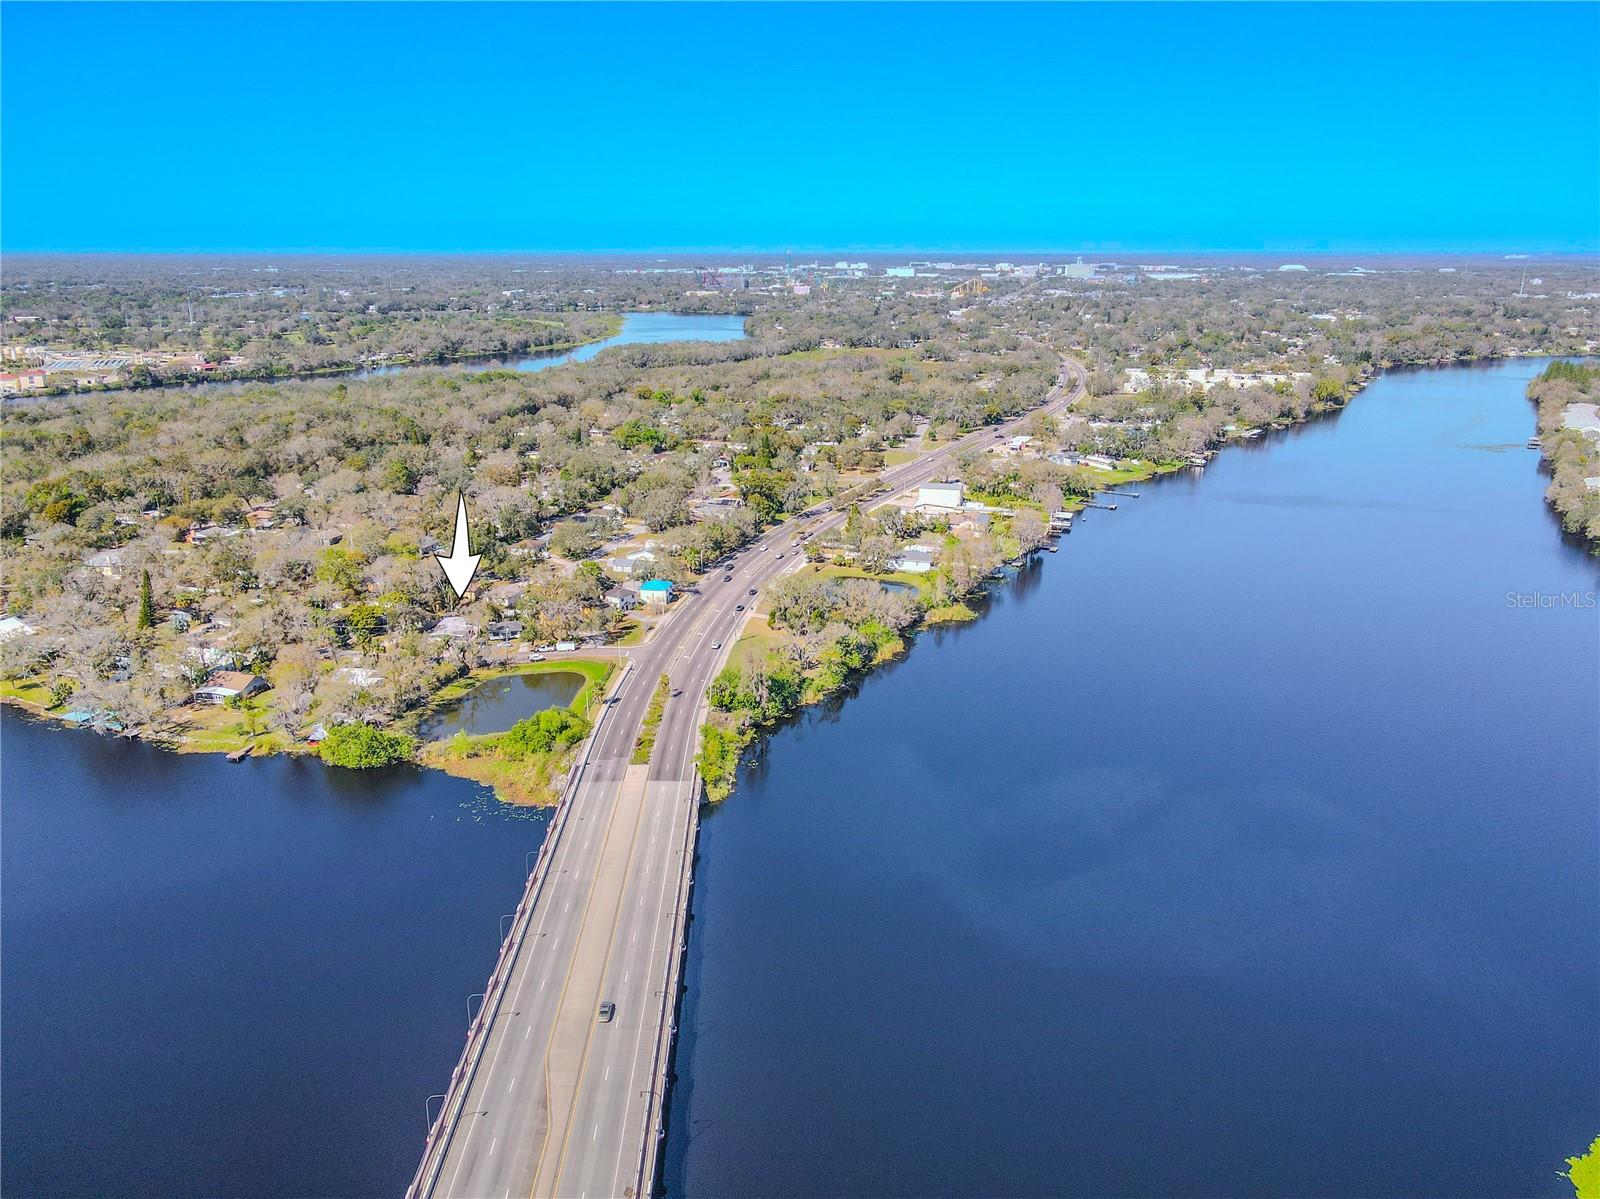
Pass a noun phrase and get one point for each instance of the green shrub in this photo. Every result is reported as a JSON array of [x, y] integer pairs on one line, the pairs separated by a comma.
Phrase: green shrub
[[544, 731], [361, 747]]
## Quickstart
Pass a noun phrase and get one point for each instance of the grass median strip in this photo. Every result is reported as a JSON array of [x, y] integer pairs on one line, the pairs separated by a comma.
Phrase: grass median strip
[[646, 743]]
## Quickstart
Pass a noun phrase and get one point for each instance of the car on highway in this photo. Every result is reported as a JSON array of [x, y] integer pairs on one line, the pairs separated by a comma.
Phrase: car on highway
[[716, 645], [780, 555], [752, 591], [738, 607], [727, 578], [675, 692], [607, 1011]]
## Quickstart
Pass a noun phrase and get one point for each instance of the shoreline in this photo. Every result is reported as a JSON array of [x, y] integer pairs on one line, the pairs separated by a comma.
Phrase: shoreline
[[958, 611], [724, 752], [487, 357], [596, 673]]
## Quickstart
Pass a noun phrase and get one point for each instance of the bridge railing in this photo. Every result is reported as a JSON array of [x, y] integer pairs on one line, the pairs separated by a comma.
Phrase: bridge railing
[[433, 1151]]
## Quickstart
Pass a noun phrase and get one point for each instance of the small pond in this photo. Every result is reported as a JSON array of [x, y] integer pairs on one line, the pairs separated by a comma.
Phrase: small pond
[[496, 705]]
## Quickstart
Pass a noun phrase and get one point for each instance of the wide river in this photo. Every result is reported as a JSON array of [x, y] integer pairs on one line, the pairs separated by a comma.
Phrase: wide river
[[1246, 847]]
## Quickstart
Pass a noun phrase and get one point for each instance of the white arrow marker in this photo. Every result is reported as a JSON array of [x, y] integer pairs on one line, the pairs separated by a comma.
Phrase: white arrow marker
[[460, 566]]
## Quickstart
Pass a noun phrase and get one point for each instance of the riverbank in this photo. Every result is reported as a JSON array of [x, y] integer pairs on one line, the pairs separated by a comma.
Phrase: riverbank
[[376, 365], [1567, 422], [239, 729], [761, 689]]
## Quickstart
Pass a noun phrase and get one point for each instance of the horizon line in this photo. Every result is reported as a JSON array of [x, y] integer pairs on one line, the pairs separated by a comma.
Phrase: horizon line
[[1510, 251]]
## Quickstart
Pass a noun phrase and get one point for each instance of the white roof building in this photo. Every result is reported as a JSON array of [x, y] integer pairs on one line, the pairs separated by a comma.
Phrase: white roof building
[[1585, 418], [940, 495], [12, 627], [452, 626]]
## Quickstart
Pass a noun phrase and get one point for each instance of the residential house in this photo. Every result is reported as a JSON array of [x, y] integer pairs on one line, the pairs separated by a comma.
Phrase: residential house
[[15, 384], [505, 596], [231, 684], [634, 563], [621, 598], [452, 626], [12, 627], [107, 562], [1585, 418], [655, 591], [913, 559]]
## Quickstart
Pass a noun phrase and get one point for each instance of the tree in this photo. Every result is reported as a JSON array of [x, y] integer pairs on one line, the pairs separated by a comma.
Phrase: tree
[[365, 622], [147, 604], [399, 476]]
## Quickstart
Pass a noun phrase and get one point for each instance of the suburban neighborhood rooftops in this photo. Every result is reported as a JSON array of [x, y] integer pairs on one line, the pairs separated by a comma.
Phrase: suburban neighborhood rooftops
[[1583, 417]]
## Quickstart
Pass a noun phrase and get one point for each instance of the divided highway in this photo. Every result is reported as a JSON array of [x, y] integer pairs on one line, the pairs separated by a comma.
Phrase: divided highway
[[548, 1100]]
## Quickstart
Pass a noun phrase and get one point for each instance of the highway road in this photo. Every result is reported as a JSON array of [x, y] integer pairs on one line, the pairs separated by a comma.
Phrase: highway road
[[548, 1100]]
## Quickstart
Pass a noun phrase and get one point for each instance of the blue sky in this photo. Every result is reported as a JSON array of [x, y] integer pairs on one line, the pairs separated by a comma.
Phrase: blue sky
[[615, 127]]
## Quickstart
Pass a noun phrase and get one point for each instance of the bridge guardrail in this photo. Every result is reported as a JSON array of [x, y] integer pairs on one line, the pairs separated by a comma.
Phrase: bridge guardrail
[[427, 1175]]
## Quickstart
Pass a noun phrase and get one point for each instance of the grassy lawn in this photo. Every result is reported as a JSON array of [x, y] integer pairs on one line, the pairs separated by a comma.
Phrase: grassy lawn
[[217, 729], [633, 636], [31, 692], [899, 457], [755, 641], [922, 582]]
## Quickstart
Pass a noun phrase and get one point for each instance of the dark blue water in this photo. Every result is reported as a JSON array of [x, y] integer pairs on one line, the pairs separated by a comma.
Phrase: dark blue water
[[638, 328], [1246, 847], [496, 705], [235, 980]]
